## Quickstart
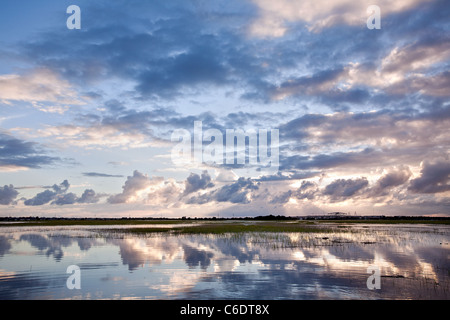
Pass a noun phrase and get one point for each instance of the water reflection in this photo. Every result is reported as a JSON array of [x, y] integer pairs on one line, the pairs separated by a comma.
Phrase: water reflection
[[414, 264]]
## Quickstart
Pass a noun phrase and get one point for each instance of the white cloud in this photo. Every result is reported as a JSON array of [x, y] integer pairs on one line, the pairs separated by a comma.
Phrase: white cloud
[[407, 69], [41, 85], [318, 14]]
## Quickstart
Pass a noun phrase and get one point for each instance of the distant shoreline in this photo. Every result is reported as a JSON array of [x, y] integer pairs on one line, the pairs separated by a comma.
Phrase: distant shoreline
[[61, 221]]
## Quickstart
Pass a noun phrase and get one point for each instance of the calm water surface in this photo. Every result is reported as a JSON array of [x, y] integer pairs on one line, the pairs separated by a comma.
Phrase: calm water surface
[[414, 263]]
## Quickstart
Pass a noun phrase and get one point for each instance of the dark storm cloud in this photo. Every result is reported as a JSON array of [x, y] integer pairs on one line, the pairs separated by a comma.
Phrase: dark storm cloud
[[8, 194], [434, 178], [20, 153]]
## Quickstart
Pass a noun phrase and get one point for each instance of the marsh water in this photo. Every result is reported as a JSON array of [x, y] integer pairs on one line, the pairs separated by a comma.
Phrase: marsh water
[[413, 263]]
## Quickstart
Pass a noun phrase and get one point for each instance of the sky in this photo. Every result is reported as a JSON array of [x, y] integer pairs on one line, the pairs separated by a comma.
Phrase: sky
[[133, 113]]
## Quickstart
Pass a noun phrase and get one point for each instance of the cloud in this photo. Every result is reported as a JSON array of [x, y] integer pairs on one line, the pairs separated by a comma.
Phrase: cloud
[[196, 182], [225, 175], [200, 64], [351, 140], [62, 187], [152, 190], [434, 178], [169, 57], [330, 161], [391, 179], [48, 195], [240, 191], [101, 175], [58, 195], [166, 194], [276, 16], [133, 185], [89, 196], [8, 194], [16, 154], [279, 176], [126, 129], [348, 101], [320, 82], [41, 198], [41, 85], [406, 68], [67, 198], [308, 190], [345, 188]]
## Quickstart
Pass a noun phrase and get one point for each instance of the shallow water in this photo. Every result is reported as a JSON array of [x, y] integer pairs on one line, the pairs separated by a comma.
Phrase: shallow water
[[413, 263]]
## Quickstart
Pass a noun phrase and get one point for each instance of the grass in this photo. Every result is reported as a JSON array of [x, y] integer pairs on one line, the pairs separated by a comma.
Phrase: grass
[[388, 221], [234, 227], [216, 227], [182, 226]]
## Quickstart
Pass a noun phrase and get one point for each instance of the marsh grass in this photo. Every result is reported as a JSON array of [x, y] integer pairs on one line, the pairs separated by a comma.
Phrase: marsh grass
[[235, 227], [385, 221]]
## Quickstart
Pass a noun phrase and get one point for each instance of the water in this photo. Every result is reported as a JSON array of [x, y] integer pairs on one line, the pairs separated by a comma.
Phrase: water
[[413, 261]]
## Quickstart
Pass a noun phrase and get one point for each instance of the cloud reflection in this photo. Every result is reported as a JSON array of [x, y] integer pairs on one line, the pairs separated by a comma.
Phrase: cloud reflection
[[247, 266]]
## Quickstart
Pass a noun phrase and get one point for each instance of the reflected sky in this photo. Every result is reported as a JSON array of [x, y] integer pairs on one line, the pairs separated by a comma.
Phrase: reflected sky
[[413, 260]]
